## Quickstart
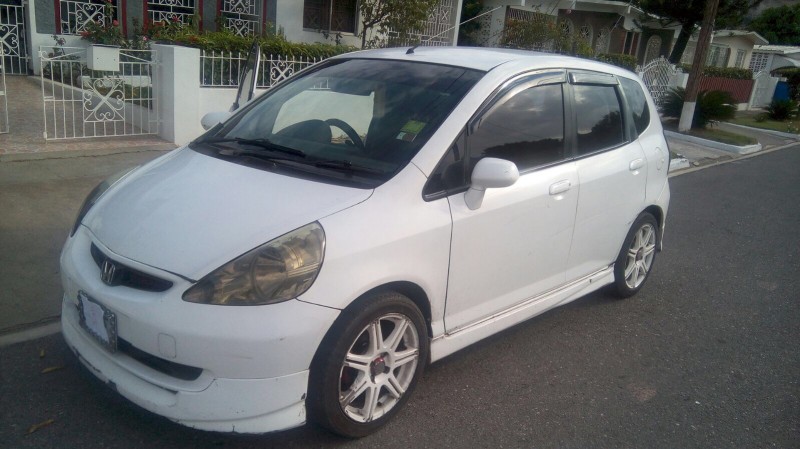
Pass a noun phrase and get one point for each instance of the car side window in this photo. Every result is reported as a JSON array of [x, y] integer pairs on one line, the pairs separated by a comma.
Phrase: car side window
[[525, 127], [599, 118], [448, 176], [637, 102]]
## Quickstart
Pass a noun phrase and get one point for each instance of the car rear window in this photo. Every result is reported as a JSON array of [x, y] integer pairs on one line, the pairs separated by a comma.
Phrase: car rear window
[[637, 102]]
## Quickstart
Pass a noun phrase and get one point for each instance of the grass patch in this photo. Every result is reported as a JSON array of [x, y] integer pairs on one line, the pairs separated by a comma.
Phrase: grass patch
[[788, 126], [719, 135]]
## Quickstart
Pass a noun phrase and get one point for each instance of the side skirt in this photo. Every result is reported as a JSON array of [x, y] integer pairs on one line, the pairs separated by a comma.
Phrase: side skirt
[[449, 343]]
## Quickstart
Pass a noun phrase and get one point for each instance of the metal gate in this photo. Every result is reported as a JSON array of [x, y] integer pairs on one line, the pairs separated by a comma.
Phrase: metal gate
[[659, 76], [763, 89], [80, 102], [3, 97], [12, 37]]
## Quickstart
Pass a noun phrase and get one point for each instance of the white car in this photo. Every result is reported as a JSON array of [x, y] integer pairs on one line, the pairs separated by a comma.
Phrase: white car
[[308, 256]]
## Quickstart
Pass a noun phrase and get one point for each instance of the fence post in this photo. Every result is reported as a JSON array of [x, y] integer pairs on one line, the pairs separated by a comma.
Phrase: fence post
[[177, 92]]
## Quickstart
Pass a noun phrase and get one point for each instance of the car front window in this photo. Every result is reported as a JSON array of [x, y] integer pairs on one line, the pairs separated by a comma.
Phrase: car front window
[[352, 118]]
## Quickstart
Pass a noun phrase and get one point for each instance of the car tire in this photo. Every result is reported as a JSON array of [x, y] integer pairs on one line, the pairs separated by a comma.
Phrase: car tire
[[368, 365], [637, 255]]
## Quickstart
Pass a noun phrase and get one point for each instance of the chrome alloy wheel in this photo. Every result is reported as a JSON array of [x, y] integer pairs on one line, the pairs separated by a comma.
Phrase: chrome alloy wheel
[[640, 256], [379, 367]]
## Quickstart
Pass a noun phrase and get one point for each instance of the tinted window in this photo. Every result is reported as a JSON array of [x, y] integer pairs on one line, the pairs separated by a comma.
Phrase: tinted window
[[637, 102], [599, 118], [526, 128], [449, 174]]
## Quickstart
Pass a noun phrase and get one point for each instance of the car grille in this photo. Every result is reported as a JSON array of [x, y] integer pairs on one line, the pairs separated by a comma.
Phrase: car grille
[[127, 276], [176, 370]]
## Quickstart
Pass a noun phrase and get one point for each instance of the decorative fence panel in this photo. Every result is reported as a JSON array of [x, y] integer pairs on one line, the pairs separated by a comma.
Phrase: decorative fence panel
[[82, 103], [13, 38], [659, 76], [223, 69]]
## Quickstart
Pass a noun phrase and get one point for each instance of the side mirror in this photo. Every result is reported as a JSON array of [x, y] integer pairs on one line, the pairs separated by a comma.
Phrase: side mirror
[[211, 119], [489, 173]]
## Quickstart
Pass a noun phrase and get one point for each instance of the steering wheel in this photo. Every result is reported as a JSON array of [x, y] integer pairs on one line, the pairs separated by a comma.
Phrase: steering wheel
[[351, 133]]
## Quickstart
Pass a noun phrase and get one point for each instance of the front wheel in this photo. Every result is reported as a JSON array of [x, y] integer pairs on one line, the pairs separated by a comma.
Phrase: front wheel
[[635, 259], [368, 365]]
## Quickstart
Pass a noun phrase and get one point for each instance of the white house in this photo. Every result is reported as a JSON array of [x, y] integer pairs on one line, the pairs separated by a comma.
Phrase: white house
[[772, 57], [729, 48]]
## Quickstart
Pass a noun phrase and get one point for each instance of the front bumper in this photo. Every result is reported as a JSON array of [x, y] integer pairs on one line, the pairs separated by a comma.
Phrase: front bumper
[[250, 364]]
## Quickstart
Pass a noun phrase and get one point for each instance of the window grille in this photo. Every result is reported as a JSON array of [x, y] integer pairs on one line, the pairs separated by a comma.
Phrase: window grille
[[330, 15], [171, 10], [241, 17], [77, 14]]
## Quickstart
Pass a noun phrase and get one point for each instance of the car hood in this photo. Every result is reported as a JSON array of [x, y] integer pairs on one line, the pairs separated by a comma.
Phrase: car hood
[[189, 213]]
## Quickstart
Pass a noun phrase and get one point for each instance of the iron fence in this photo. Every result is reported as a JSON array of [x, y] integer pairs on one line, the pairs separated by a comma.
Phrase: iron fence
[[223, 69]]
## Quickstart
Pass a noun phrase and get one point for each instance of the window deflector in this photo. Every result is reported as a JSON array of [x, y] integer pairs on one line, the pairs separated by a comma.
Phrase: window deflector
[[515, 86], [602, 79]]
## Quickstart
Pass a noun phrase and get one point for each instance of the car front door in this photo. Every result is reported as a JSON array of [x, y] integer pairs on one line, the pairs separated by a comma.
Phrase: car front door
[[516, 244]]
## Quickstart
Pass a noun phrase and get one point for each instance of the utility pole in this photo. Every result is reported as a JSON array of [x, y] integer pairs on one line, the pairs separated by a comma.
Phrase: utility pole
[[700, 55]]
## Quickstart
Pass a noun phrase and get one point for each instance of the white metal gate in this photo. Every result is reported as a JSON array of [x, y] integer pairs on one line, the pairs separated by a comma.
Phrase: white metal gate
[[659, 76], [3, 97], [80, 102], [763, 90], [12, 37]]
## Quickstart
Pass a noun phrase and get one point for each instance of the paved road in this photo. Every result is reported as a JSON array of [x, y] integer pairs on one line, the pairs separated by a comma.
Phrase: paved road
[[706, 356], [39, 200]]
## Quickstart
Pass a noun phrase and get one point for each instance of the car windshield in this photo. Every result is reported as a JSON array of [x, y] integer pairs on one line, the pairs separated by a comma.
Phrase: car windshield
[[350, 118]]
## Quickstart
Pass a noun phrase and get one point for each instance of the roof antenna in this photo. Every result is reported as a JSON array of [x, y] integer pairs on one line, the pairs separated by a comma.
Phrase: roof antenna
[[410, 51]]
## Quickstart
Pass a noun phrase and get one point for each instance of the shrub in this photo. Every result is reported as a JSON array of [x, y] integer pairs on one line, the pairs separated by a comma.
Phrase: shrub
[[722, 72], [712, 106], [619, 60], [781, 110]]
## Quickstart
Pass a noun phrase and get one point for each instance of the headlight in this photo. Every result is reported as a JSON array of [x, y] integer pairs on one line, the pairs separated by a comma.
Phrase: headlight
[[95, 195], [275, 271]]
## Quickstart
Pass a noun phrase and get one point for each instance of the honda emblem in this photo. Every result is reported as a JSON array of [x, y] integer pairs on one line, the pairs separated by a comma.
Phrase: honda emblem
[[107, 272]]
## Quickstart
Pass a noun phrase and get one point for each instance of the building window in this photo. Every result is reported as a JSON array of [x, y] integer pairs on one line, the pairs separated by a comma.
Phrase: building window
[[170, 10], [603, 41], [240, 16], [585, 34], [758, 62], [718, 56], [74, 15], [739, 59], [653, 49], [330, 15]]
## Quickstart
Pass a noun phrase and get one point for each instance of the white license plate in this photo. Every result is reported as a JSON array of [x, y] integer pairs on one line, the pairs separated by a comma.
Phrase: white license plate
[[100, 322]]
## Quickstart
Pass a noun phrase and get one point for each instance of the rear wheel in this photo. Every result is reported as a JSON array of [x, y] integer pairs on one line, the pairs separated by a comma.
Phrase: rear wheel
[[635, 259], [368, 365]]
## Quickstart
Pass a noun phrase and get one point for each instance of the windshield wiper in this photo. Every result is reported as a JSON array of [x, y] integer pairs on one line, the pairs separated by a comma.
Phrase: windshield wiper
[[263, 143], [256, 154], [347, 166]]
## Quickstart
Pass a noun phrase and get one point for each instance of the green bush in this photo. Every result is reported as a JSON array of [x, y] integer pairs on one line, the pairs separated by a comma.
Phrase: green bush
[[781, 110], [722, 72], [271, 45], [619, 60], [712, 106]]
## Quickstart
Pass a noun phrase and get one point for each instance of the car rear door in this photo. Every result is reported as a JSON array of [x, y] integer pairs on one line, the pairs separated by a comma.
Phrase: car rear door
[[612, 169]]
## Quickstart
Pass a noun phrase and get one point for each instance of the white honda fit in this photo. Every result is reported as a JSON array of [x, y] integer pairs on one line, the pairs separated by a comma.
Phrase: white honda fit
[[312, 253]]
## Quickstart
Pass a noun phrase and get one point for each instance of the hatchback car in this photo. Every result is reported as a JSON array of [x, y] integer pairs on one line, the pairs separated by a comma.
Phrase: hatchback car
[[310, 254]]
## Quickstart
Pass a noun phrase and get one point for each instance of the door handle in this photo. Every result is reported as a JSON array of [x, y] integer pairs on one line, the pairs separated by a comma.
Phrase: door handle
[[636, 164], [560, 187]]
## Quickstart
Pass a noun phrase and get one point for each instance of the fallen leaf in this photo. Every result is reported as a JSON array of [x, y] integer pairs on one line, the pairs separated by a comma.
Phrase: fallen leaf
[[41, 353], [36, 427], [50, 369]]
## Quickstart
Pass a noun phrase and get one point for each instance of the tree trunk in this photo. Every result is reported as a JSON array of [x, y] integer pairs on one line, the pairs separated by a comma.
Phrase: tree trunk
[[680, 45], [700, 53]]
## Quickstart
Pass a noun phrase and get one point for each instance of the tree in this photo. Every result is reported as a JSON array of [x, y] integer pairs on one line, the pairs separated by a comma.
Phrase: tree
[[468, 31], [378, 17], [779, 25], [689, 13]]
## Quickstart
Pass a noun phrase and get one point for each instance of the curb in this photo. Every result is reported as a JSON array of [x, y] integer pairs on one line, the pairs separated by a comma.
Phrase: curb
[[746, 149], [20, 157], [765, 131], [678, 163]]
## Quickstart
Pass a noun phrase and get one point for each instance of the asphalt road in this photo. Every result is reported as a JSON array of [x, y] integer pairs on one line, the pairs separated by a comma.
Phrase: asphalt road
[[705, 356]]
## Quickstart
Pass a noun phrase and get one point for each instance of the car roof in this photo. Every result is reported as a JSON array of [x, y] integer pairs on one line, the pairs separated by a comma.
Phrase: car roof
[[487, 59]]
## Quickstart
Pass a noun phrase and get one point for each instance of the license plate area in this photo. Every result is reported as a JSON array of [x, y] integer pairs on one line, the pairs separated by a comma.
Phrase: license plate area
[[98, 321]]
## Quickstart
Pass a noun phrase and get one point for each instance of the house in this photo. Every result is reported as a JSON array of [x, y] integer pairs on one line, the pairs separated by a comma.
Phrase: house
[[29, 25], [729, 48], [607, 26], [772, 57]]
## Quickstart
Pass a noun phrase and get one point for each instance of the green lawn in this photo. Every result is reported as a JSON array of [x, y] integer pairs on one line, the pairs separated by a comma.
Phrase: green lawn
[[788, 126]]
